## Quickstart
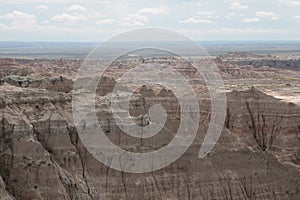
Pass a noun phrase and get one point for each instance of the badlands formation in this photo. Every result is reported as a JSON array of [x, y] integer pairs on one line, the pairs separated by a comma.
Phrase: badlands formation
[[257, 156]]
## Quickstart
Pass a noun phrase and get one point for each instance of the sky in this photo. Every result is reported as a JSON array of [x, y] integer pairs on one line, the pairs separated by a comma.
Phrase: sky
[[98, 20]]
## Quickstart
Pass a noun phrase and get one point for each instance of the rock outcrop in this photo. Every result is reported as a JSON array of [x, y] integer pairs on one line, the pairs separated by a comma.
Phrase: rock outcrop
[[42, 157], [59, 84], [281, 64]]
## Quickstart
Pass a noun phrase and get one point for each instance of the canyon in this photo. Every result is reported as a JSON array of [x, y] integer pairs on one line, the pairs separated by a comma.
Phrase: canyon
[[256, 157]]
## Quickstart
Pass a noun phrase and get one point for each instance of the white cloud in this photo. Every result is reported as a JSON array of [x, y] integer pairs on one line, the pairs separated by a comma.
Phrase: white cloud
[[135, 20], [75, 13], [38, 30], [251, 20], [45, 22], [264, 14], [240, 30], [232, 14], [68, 19], [237, 6], [154, 11], [52, 1], [289, 2], [232, 31], [115, 13], [297, 18], [207, 15], [106, 21], [193, 20], [41, 7], [19, 18], [76, 8], [204, 13]]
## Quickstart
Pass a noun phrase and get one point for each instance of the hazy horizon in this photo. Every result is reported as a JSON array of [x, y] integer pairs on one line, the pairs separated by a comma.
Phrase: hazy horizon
[[82, 49]]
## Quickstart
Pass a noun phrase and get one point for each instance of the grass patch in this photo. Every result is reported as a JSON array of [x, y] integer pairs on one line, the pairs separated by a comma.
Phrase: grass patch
[[287, 79]]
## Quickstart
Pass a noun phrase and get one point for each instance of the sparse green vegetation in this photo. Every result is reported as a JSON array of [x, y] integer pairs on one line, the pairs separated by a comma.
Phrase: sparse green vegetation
[[20, 78], [288, 79]]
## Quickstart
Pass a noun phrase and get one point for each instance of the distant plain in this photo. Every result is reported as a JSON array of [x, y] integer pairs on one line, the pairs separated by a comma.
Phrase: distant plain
[[80, 50]]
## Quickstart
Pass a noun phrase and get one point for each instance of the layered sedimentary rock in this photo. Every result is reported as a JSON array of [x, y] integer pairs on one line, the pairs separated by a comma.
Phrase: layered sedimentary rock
[[277, 62], [59, 84], [282, 64], [55, 75], [42, 156]]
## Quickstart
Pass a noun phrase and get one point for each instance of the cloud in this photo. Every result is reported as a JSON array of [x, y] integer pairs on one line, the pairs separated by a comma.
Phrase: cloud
[[106, 21], [207, 15], [19, 18], [41, 7], [114, 14], [76, 8], [68, 19], [289, 2], [241, 30], [153, 11], [75, 13], [232, 31], [297, 18], [52, 1], [264, 14], [251, 20], [135, 20], [202, 17], [204, 13], [237, 6], [193, 20], [232, 14]]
